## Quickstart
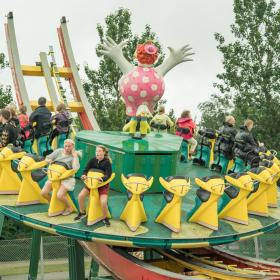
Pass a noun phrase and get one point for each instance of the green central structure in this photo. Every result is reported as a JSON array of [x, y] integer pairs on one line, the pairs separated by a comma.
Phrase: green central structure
[[155, 155]]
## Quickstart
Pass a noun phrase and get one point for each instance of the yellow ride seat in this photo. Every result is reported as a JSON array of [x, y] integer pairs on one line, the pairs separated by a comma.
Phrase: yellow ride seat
[[30, 167], [257, 200], [205, 211], [134, 212], [57, 172], [234, 200], [9, 179], [272, 191], [93, 182], [176, 188]]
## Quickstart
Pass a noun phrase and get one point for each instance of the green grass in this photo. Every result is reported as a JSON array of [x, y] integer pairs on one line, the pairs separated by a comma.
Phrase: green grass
[[17, 268]]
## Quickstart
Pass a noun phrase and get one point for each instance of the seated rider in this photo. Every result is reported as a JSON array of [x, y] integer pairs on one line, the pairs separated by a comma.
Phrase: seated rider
[[225, 140], [9, 133], [185, 127], [42, 116], [69, 156], [62, 119], [161, 121], [246, 147], [12, 108], [101, 161], [24, 122]]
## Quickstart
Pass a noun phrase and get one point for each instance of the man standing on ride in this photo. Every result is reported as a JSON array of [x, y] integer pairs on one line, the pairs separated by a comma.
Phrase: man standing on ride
[[69, 156], [42, 117], [103, 162]]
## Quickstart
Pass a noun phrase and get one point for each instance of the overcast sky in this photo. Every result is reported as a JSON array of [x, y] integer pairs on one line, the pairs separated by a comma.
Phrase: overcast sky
[[176, 23]]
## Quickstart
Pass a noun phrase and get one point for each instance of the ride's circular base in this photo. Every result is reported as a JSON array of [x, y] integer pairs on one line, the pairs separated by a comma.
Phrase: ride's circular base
[[149, 234]]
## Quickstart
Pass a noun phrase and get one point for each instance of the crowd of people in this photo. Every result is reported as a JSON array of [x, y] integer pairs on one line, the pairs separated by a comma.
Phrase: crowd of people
[[13, 124], [230, 141], [16, 126]]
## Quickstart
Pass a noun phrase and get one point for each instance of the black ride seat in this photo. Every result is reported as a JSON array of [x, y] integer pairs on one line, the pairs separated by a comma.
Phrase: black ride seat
[[203, 195], [168, 196], [207, 178], [170, 178], [232, 192], [38, 175], [36, 158], [62, 164], [267, 164]]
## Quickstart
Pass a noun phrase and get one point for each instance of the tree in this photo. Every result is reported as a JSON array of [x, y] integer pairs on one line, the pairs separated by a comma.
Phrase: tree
[[5, 91], [102, 84], [249, 87]]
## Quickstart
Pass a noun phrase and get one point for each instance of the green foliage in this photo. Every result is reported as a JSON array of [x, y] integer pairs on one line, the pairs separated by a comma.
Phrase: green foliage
[[102, 84], [14, 230], [5, 91], [249, 87]]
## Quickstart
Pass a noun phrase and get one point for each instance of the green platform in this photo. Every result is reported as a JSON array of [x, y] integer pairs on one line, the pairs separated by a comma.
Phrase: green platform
[[155, 155], [149, 234]]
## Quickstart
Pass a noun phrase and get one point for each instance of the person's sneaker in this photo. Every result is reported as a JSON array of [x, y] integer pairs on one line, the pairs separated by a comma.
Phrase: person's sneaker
[[106, 222], [80, 216]]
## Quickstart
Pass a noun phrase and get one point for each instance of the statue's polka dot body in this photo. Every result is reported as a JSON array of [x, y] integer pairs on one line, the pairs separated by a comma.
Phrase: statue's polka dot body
[[141, 86]]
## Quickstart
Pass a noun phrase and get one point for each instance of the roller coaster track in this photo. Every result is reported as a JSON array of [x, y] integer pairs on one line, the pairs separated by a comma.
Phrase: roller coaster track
[[44, 69]]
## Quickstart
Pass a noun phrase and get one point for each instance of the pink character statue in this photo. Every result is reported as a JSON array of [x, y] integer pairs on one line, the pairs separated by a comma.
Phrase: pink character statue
[[143, 85]]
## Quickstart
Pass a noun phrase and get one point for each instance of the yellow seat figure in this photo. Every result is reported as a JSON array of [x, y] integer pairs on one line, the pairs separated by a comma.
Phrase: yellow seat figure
[[272, 191], [205, 211], [9, 179], [57, 172], [176, 188], [33, 178], [134, 212], [234, 200], [257, 199], [93, 182]]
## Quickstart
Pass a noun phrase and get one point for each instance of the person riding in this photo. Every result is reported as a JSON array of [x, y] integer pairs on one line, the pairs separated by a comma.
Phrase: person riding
[[103, 162], [226, 135], [62, 119], [185, 127], [246, 146], [12, 108], [24, 121], [161, 121], [9, 133], [69, 156], [42, 117]]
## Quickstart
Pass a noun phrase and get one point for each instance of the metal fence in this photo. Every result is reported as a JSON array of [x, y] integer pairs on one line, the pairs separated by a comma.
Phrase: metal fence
[[15, 255], [266, 246], [54, 253]]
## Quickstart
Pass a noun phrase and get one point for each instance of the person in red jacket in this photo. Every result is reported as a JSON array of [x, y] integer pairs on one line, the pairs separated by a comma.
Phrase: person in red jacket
[[185, 127], [24, 121]]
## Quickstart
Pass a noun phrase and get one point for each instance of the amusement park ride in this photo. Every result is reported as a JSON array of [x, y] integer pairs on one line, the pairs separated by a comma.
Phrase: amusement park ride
[[165, 214]]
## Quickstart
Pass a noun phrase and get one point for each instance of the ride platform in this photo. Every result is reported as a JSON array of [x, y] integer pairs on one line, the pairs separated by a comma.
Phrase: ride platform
[[149, 234]]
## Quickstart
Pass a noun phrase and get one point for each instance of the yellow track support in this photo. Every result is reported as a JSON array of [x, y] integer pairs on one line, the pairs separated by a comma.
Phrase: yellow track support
[[37, 71]]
